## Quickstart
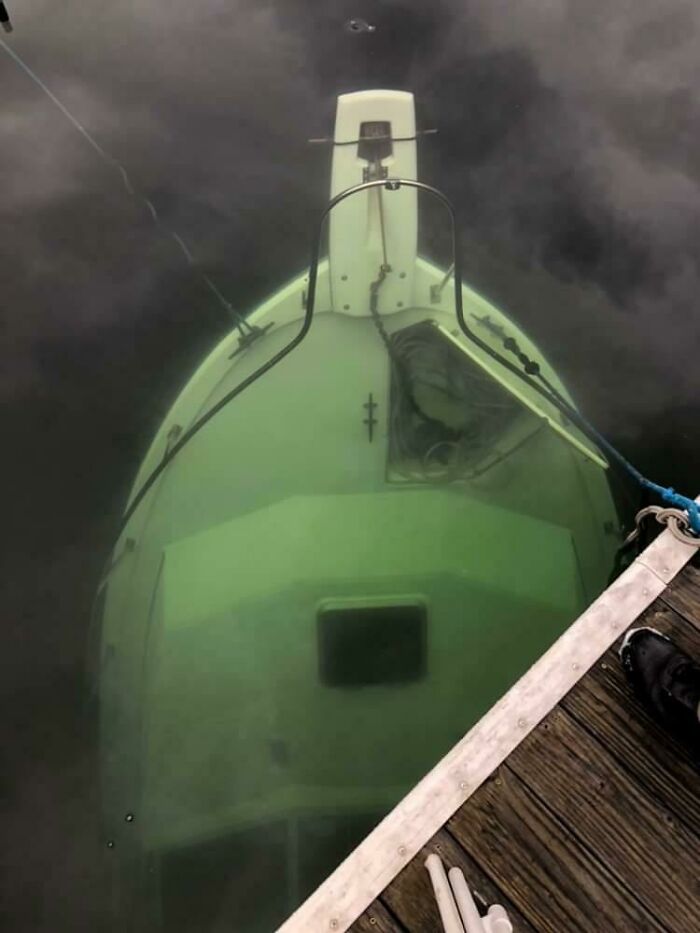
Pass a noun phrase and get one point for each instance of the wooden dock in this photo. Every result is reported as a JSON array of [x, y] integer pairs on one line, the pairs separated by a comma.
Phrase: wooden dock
[[565, 803], [592, 823]]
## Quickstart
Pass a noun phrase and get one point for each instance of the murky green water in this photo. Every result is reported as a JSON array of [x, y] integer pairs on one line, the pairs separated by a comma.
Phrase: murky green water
[[356, 556]]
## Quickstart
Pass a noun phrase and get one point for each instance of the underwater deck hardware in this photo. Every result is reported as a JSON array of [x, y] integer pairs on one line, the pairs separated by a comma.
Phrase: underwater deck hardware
[[328, 140], [370, 420], [172, 435], [437, 290], [245, 340]]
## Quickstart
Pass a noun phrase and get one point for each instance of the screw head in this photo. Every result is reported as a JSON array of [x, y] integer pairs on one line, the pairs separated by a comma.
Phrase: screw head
[[129, 818]]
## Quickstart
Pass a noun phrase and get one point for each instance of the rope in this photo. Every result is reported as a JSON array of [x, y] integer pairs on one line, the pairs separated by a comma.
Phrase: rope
[[238, 319], [674, 519], [667, 494], [689, 509]]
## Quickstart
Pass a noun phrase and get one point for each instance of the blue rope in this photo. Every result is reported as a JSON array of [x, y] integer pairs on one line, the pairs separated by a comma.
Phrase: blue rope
[[680, 502], [669, 495], [531, 368], [666, 493]]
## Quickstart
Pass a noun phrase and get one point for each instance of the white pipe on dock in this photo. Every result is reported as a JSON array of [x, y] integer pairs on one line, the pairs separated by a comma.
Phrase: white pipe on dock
[[497, 921], [471, 918], [443, 895], [458, 911]]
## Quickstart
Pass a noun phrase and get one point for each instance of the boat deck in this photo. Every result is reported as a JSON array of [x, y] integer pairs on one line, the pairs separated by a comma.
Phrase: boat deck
[[592, 822]]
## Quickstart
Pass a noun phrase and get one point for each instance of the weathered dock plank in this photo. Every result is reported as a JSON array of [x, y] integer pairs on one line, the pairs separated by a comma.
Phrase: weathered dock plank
[[603, 704], [557, 884], [606, 811], [377, 919], [683, 592]]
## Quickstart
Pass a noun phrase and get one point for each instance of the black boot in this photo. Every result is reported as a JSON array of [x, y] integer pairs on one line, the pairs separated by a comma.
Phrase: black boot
[[666, 680]]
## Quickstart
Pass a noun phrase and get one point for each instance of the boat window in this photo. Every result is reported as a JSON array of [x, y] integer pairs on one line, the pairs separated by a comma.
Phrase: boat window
[[448, 418], [363, 645]]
